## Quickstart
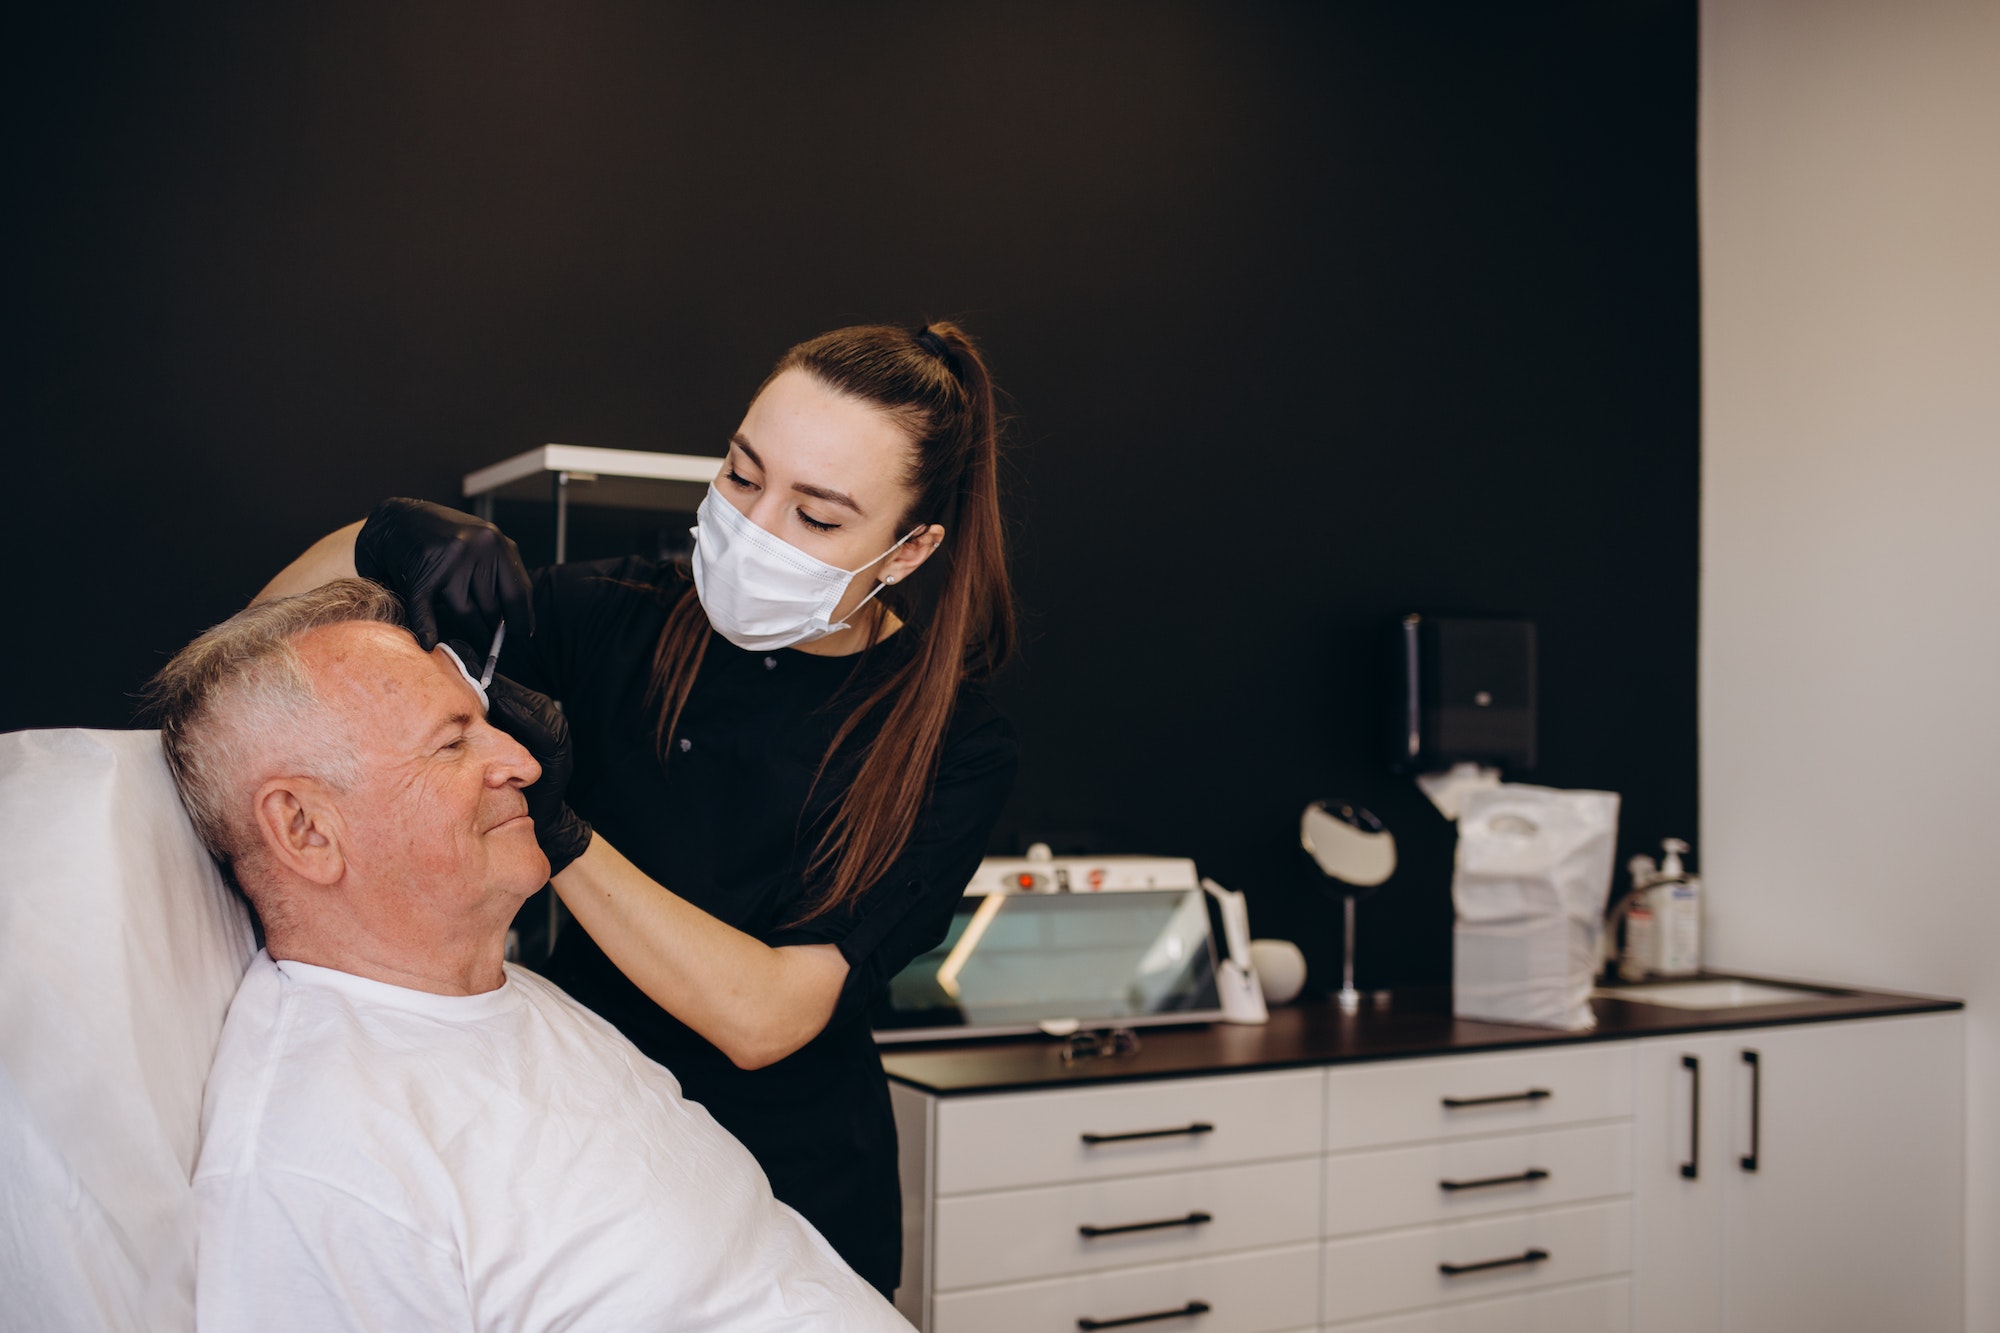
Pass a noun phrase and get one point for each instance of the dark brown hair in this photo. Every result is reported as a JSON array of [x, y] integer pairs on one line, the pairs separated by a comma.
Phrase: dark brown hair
[[957, 608]]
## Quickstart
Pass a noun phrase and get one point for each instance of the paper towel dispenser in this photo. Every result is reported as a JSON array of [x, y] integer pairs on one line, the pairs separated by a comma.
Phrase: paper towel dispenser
[[1460, 690]]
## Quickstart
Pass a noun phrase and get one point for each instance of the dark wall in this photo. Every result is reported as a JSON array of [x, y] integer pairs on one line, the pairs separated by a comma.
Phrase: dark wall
[[1311, 315]]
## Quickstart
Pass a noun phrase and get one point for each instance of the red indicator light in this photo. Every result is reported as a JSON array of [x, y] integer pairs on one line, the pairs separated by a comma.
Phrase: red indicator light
[[1026, 881]]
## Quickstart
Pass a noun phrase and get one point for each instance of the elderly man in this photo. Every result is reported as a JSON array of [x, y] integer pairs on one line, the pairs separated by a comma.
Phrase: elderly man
[[400, 1130]]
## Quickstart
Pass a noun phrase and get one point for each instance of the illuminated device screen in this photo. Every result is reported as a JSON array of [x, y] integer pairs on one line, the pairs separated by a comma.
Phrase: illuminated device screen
[[1013, 960]]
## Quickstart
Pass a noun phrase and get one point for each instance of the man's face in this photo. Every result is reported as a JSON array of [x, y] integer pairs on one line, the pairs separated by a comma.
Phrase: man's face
[[437, 820]]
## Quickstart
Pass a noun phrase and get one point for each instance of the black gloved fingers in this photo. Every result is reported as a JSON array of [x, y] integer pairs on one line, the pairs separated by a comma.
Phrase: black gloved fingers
[[451, 579], [537, 723], [469, 575], [369, 557], [563, 839], [422, 623], [517, 601], [533, 719], [505, 598], [447, 566], [482, 591], [492, 579]]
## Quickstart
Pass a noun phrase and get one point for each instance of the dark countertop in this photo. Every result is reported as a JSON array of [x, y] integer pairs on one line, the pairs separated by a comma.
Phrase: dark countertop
[[1316, 1033]]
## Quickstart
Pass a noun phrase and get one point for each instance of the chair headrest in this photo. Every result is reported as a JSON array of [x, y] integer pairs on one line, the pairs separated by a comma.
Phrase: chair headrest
[[120, 948]]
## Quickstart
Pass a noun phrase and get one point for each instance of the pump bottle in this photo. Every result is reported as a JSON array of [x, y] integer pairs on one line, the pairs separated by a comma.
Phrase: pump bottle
[[1676, 897], [1636, 959]]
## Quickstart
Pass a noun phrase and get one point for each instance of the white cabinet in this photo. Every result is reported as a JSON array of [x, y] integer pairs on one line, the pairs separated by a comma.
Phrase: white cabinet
[[1449, 1181], [1260, 1291], [1459, 1096], [1589, 1307], [1125, 1129], [1391, 1271], [1470, 1177], [1183, 1203], [1680, 1153], [1821, 1188], [1760, 1180], [1010, 1235]]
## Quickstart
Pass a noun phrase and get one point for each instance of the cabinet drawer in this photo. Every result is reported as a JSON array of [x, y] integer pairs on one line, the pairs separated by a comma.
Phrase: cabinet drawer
[[1402, 1270], [1458, 1096], [1402, 1187], [1265, 1291], [1594, 1307], [1020, 1234], [1039, 1138]]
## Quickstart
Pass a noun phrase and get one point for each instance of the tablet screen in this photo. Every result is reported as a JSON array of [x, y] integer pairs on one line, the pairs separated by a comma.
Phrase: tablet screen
[[1011, 961]]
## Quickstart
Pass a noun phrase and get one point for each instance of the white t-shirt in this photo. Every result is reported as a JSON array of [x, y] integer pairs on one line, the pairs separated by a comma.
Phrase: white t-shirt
[[380, 1158]]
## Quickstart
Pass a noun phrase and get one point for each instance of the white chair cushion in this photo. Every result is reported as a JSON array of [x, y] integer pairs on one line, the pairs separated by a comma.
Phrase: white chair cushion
[[120, 949]]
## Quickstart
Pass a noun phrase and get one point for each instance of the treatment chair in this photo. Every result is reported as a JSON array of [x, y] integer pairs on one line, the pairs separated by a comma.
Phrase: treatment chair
[[120, 948]]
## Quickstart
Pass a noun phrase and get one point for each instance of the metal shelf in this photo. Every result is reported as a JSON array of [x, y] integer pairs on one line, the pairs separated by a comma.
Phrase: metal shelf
[[610, 478]]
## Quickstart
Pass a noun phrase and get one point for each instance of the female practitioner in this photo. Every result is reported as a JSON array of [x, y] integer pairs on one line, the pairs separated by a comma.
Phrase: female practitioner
[[783, 746]]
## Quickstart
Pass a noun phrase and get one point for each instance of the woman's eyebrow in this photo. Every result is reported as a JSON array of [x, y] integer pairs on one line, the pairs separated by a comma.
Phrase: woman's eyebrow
[[831, 497], [803, 488]]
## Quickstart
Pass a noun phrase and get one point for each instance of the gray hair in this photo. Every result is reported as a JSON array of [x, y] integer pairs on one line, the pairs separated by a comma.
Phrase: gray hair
[[237, 706]]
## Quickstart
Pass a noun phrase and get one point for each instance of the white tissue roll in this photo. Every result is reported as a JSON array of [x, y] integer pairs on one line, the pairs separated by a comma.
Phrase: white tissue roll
[[1280, 969]]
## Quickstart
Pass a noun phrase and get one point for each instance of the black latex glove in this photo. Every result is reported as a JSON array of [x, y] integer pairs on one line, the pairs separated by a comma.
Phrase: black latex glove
[[458, 575], [535, 721]]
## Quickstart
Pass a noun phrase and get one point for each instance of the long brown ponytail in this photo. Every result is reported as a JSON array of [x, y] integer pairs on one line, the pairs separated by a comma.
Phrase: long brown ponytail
[[958, 607]]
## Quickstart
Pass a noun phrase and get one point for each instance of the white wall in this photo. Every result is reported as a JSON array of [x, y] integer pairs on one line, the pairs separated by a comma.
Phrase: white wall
[[1850, 655]]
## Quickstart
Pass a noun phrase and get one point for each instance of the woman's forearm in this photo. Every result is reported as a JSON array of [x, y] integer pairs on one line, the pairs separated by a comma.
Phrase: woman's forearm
[[329, 558], [755, 1003]]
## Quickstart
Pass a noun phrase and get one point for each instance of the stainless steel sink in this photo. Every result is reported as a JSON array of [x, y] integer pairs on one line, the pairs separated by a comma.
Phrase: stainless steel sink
[[1711, 993]]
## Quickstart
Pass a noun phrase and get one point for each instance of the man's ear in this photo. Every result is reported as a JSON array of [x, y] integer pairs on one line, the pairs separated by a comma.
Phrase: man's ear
[[300, 829]]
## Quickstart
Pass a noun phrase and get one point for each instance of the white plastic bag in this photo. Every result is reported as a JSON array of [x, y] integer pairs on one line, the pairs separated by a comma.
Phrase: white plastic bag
[[1533, 874]]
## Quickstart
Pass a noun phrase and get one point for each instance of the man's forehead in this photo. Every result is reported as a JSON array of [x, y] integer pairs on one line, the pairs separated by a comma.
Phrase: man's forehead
[[374, 667]]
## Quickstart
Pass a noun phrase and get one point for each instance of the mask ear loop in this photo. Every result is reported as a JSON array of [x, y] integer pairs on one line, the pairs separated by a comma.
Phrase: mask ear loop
[[848, 620]]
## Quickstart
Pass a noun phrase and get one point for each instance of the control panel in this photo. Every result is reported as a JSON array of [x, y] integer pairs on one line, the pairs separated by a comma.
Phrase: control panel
[[1082, 874]]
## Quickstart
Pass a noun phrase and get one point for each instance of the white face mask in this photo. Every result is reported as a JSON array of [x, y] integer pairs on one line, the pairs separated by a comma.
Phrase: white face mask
[[760, 591]]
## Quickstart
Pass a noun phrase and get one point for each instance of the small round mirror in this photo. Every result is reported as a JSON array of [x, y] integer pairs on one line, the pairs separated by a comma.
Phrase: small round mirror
[[1351, 848], [1348, 843]]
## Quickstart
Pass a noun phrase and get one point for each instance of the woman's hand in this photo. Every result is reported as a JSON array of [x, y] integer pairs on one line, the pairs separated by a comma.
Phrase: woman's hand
[[458, 576], [756, 1004], [535, 721]]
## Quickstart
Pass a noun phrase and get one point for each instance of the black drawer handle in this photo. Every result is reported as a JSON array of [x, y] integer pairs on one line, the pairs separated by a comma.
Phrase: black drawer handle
[[1191, 1220], [1531, 1095], [1531, 1257], [1527, 1177], [1126, 1321], [1198, 1127], [1691, 1168], [1756, 1109]]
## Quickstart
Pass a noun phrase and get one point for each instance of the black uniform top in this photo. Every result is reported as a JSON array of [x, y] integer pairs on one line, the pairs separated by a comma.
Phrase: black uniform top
[[729, 821]]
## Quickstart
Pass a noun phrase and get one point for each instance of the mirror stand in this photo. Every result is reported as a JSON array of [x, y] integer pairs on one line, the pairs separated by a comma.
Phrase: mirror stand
[[1354, 851], [1349, 998]]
